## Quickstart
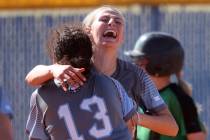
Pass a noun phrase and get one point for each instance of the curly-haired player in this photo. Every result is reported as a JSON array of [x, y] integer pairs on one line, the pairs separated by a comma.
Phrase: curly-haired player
[[97, 110]]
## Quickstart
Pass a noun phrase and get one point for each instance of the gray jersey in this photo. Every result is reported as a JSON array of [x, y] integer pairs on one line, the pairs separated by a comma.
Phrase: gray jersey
[[95, 112], [139, 86]]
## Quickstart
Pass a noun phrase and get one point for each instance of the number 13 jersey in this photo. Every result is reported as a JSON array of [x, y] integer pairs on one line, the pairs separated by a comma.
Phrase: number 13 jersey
[[97, 111]]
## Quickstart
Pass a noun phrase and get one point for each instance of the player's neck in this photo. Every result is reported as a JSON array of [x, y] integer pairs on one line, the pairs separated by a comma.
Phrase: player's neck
[[105, 62], [161, 82]]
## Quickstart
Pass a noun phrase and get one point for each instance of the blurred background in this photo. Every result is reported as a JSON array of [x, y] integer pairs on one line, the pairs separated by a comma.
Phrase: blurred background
[[24, 25]]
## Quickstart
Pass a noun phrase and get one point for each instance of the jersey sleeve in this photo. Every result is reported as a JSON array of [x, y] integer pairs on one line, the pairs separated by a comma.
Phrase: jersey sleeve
[[128, 105], [189, 110], [191, 117], [34, 126], [150, 96], [5, 107]]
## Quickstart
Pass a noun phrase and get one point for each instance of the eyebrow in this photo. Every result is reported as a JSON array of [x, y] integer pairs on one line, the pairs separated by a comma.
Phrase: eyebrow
[[115, 17]]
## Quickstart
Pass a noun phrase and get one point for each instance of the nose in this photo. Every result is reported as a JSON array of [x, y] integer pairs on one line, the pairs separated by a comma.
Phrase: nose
[[111, 22]]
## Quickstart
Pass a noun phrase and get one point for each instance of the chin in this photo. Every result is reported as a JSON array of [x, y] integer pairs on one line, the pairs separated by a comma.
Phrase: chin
[[110, 44]]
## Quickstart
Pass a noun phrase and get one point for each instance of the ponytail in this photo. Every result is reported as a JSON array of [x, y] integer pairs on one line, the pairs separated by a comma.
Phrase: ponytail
[[185, 85]]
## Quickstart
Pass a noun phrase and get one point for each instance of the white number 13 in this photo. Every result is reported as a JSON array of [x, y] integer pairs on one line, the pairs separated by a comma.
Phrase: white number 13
[[65, 113]]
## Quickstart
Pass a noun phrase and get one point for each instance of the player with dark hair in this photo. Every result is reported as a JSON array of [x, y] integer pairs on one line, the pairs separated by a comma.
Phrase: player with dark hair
[[106, 25], [6, 132], [96, 111], [161, 55]]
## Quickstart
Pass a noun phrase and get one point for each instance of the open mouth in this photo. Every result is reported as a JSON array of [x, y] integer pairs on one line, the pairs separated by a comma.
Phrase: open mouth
[[110, 34]]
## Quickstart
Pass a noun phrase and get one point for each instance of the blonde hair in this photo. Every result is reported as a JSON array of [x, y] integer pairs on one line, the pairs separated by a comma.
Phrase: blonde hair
[[185, 85], [88, 20]]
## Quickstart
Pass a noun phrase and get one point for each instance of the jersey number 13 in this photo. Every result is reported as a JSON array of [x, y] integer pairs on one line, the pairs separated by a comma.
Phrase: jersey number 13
[[64, 112]]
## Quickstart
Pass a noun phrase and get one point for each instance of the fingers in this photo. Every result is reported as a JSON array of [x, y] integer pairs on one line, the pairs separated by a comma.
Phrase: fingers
[[75, 76], [79, 73], [63, 82], [72, 77], [64, 86], [68, 75]]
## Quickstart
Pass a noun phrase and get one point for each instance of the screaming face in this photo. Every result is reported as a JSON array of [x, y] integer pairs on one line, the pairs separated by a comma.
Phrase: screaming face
[[107, 29], [110, 34]]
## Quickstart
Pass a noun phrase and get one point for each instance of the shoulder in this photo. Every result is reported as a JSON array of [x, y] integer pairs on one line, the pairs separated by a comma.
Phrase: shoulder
[[137, 75], [33, 97], [181, 95], [104, 79], [189, 110], [51, 88], [125, 65], [168, 93], [128, 68], [43, 92], [170, 97], [187, 103], [49, 84], [37, 101]]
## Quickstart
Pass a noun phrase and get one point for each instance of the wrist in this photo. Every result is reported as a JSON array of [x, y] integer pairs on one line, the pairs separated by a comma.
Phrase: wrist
[[51, 68], [137, 118]]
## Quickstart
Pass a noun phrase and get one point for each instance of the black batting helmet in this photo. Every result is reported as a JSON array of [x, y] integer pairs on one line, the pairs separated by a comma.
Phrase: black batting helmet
[[164, 53]]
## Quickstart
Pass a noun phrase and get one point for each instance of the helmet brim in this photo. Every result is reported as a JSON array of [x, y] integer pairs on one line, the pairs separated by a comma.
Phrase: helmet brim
[[133, 53]]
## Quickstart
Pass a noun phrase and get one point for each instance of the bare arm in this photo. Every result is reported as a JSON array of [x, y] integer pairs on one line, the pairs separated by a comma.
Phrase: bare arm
[[39, 74], [162, 123], [5, 128], [42, 73], [131, 126], [196, 136]]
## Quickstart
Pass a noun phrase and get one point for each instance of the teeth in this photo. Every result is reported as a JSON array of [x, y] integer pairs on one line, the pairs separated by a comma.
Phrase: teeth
[[108, 31]]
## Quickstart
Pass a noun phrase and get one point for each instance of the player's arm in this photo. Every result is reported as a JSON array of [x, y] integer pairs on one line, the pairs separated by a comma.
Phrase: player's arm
[[5, 127], [131, 126], [42, 73], [138, 118], [196, 136], [39, 74], [160, 120]]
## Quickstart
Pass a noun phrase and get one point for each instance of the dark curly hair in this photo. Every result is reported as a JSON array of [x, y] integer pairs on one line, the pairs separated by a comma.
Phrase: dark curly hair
[[70, 45]]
